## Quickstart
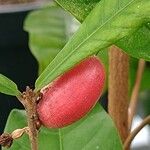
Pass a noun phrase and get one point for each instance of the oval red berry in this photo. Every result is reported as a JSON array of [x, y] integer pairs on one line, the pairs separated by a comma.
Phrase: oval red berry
[[72, 95]]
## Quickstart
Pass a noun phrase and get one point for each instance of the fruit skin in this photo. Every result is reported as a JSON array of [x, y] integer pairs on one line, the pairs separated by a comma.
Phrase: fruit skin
[[72, 95]]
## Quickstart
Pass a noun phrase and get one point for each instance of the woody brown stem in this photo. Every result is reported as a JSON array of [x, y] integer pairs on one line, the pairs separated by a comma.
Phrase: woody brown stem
[[135, 92], [30, 99], [118, 90]]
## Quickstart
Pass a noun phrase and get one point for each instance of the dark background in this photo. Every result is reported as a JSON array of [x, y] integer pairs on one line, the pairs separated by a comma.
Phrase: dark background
[[16, 61]]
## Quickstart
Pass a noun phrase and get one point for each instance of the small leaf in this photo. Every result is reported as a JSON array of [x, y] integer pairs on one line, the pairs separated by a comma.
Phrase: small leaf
[[108, 22], [8, 87], [95, 131]]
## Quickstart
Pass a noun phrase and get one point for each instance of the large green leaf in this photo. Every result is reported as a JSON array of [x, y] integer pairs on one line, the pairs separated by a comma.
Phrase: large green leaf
[[108, 22], [48, 33], [8, 87], [95, 131], [80, 9]]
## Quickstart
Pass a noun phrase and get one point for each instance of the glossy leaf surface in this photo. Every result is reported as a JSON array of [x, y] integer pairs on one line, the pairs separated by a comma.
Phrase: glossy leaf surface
[[136, 45]]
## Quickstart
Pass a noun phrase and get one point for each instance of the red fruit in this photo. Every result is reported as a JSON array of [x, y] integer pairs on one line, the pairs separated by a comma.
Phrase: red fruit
[[72, 95]]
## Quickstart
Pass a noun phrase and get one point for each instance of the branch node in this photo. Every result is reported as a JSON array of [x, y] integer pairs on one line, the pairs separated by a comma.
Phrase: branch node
[[6, 140]]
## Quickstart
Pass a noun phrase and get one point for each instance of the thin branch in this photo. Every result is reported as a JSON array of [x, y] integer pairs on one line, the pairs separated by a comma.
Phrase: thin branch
[[135, 132], [135, 92]]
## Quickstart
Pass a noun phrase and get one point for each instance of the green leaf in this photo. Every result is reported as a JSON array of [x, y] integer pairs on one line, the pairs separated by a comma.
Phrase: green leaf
[[138, 44], [80, 9], [8, 87], [108, 22], [48, 33], [95, 131]]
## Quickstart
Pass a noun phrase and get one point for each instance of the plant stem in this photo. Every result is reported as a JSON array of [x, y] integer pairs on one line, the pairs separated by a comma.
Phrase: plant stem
[[30, 98], [118, 89], [135, 132], [135, 92]]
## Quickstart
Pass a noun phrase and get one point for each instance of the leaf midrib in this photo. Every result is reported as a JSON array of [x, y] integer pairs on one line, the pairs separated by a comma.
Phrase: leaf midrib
[[61, 62], [60, 140]]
